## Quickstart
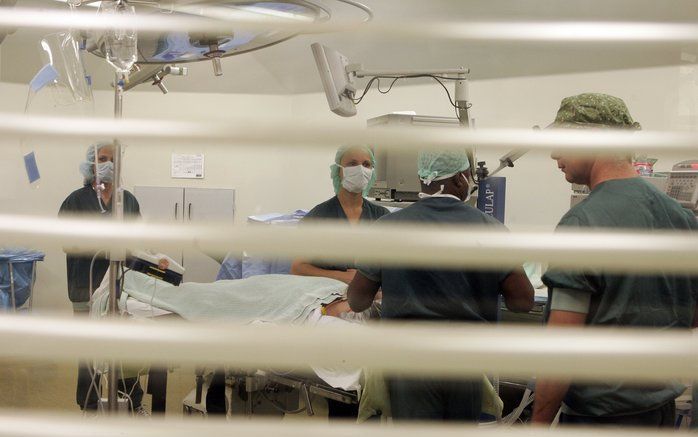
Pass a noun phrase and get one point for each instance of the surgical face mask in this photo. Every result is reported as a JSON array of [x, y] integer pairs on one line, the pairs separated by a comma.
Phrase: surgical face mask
[[356, 178], [440, 193], [105, 172], [470, 189]]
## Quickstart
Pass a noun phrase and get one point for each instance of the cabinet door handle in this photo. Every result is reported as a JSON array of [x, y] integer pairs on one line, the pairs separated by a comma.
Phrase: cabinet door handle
[[189, 213], [176, 210]]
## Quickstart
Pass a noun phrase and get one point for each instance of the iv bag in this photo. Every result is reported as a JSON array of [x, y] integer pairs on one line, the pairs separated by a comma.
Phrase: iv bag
[[63, 71], [120, 44], [60, 88]]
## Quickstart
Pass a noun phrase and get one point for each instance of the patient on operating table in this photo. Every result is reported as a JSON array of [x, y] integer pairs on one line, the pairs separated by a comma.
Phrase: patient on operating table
[[278, 299]]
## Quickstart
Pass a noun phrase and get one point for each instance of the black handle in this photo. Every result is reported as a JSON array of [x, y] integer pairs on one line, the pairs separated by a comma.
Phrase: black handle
[[189, 207], [199, 388], [176, 209]]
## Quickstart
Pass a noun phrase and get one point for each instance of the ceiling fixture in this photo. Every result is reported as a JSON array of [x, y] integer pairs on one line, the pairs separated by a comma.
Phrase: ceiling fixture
[[179, 46]]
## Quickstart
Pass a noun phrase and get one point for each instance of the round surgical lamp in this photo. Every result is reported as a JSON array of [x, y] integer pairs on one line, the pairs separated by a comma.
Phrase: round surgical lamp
[[174, 47]]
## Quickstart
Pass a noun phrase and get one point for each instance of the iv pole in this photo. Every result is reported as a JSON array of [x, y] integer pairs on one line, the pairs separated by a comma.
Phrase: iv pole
[[116, 258]]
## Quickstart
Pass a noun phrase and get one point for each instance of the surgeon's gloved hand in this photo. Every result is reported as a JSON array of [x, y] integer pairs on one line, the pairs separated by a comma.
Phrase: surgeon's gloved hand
[[373, 312], [353, 317]]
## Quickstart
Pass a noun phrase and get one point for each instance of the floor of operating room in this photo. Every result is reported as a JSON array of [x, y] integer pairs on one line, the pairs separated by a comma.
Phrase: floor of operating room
[[30, 385]]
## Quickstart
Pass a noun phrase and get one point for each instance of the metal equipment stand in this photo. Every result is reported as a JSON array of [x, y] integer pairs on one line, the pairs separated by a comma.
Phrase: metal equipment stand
[[306, 388], [157, 388], [13, 299], [13, 295], [116, 258], [31, 286]]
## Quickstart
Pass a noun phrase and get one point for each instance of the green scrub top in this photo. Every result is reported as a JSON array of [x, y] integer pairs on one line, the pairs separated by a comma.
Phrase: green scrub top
[[332, 210], [434, 294], [649, 301]]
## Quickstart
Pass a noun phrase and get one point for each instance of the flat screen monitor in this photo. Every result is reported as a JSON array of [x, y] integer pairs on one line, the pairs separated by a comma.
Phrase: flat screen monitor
[[338, 85]]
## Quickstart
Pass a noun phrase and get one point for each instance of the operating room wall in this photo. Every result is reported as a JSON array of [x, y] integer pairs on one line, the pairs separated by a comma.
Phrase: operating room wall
[[266, 179], [537, 194]]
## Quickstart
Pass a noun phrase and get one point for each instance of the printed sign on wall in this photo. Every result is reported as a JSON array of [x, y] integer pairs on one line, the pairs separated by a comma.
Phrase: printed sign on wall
[[187, 166]]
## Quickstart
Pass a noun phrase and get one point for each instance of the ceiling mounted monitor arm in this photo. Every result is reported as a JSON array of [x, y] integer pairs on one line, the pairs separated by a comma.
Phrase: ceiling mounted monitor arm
[[459, 75], [356, 69], [338, 76], [462, 101]]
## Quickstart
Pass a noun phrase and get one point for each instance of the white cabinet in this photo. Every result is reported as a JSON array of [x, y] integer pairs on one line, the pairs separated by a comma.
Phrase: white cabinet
[[184, 205], [160, 203]]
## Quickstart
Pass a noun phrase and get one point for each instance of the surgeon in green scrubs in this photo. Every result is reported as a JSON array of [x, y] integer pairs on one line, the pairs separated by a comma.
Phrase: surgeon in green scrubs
[[440, 295], [619, 199]]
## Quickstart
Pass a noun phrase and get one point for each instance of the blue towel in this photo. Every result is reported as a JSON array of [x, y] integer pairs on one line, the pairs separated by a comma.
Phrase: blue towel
[[239, 266]]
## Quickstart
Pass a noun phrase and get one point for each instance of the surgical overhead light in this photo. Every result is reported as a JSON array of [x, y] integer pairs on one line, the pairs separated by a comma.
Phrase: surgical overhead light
[[177, 46], [78, 3]]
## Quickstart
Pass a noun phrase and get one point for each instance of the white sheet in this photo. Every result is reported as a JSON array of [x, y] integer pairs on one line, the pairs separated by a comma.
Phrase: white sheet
[[342, 375], [140, 310]]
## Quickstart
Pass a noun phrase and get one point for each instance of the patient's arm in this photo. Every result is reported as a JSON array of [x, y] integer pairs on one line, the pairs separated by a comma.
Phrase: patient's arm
[[302, 268], [361, 293]]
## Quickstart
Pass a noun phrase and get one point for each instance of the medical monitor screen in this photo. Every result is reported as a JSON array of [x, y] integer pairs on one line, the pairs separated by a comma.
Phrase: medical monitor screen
[[335, 80]]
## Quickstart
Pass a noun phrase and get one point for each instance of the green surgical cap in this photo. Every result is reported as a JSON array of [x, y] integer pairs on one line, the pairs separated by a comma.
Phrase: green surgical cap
[[334, 168], [435, 166], [594, 110]]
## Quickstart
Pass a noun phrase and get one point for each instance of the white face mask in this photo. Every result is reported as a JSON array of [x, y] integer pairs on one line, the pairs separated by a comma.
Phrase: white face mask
[[105, 172], [470, 189], [356, 178], [441, 190]]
